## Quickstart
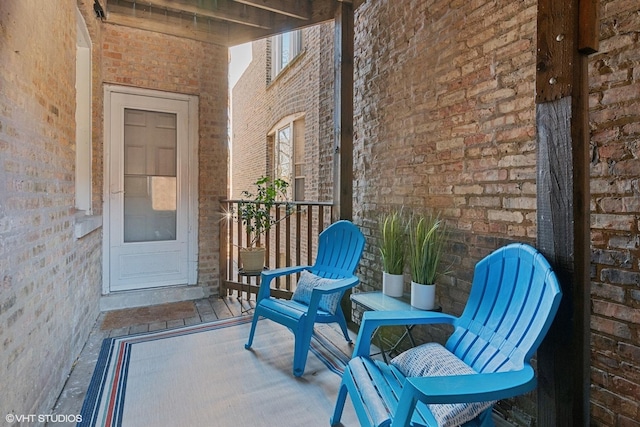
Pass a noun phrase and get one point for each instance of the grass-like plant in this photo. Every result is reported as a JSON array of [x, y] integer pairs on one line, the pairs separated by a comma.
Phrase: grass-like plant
[[427, 237], [393, 242]]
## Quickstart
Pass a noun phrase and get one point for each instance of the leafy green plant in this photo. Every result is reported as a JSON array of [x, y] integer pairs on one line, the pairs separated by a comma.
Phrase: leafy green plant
[[257, 210], [393, 232], [427, 237]]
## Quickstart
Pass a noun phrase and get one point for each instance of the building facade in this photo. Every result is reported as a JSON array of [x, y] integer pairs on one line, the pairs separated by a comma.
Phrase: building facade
[[282, 106]]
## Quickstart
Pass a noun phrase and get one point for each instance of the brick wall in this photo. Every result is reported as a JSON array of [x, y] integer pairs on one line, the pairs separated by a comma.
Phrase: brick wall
[[49, 281], [156, 61], [444, 120], [259, 103], [614, 75], [249, 155]]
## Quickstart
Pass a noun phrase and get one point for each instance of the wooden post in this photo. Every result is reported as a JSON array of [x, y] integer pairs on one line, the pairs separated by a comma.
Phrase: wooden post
[[343, 123], [343, 112], [566, 32]]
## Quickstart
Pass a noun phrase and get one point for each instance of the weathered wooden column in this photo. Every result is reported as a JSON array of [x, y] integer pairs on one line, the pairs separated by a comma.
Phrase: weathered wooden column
[[343, 113], [567, 33]]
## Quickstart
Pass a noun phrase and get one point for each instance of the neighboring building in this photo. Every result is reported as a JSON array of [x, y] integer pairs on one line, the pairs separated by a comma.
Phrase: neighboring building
[[282, 110]]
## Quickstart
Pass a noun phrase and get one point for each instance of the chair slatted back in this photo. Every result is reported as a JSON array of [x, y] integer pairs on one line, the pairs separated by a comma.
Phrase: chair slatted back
[[513, 291], [340, 247]]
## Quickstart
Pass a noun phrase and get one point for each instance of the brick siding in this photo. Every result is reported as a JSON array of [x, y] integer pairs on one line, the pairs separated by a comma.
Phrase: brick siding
[[261, 101], [157, 61], [445, 120], [614, 120], [49, 281]]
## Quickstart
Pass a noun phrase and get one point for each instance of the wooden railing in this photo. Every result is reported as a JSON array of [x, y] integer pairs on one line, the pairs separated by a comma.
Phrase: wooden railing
[[291, 241]]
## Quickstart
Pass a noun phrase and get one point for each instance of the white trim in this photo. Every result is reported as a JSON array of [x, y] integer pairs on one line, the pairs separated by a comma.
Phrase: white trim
[[295, 48], [192, 152], [83, 118]]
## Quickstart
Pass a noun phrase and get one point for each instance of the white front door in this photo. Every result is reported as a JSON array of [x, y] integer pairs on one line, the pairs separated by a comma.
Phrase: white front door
[[149, 190]]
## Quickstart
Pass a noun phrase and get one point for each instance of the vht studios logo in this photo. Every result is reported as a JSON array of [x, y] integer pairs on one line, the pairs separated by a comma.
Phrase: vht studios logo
[[42, 418]]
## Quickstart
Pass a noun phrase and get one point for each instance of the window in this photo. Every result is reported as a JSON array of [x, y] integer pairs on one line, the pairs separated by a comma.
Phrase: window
[[289, 154], [83, 116], [284, 48], [86, 222], [284, 150], [299, 169]]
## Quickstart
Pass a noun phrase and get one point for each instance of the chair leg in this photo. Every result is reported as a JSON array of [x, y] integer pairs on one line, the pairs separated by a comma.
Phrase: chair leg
[[340, 401], [343, 325], [254, 323], [301, 351]]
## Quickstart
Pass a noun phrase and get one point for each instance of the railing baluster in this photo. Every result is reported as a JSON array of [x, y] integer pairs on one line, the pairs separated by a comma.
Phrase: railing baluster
[[291, 236], [309, 234], [298, 260]]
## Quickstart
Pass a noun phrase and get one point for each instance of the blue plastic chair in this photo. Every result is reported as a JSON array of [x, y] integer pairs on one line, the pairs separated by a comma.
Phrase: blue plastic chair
[[514, 298], [339, 250]]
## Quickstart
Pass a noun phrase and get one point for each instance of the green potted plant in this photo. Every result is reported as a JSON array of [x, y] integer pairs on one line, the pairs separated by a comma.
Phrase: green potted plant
[[256, 211], [393, 233], [427, 236]]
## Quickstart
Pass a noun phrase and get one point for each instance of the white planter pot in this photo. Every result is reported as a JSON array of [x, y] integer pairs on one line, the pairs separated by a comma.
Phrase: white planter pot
[[252, 260], [392, 284], [423, 296]]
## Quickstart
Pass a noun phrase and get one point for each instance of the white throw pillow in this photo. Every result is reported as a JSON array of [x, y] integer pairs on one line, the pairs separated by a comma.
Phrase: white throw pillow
[[433, 360], [305, 286]]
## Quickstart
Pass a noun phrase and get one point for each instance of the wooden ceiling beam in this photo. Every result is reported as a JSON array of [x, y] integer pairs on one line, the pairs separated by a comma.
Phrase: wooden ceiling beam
[[299, 9], [228, 11], [150, 19], [226, 22]]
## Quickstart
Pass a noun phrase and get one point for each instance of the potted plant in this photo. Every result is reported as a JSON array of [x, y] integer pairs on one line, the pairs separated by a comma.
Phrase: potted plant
[[392, 249], [256, 211], [427, 236]]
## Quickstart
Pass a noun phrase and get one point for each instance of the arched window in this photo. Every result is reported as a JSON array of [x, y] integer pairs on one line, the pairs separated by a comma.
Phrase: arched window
[[289, 153]]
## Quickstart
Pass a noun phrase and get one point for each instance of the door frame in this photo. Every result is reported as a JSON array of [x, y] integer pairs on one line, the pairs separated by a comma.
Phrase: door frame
[[192, 194]]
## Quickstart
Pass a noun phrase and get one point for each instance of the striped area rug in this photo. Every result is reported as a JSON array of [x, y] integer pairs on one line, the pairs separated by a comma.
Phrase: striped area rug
[[202, 375]]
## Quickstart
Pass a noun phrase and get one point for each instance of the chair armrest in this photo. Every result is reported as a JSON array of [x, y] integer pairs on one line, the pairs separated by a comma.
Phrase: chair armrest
[[283, 271], [268, 275], [371, 320], [462, 389], [471, 388], [339, 285]]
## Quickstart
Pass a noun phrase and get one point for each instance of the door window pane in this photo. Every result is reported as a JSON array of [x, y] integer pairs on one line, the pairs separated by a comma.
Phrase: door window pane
[[150, 182]]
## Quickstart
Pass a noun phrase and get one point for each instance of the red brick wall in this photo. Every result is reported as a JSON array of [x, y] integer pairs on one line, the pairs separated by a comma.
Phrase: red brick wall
[[444, 120], [156, 61], [614, 76]]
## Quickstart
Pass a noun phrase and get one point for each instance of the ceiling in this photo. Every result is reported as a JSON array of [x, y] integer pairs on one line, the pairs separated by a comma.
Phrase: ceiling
[[224, 22]]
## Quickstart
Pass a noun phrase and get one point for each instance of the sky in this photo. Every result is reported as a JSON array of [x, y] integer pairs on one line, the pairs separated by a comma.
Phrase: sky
[[240, 59]]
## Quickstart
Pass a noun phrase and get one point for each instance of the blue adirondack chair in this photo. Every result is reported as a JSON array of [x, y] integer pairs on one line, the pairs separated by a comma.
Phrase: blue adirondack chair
[[514, 298], [339, 250]]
